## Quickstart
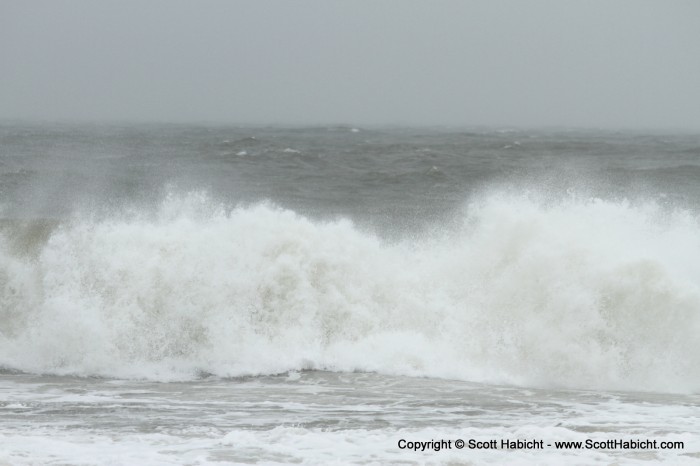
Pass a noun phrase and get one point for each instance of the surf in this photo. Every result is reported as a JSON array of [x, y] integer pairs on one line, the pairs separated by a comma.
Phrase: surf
[[575, 293]]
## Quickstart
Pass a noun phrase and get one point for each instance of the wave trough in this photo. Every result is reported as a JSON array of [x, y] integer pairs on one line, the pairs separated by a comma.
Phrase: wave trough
[[575, 293]]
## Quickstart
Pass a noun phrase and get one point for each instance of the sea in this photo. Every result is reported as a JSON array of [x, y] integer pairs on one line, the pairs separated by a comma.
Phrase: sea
[[207, 294]]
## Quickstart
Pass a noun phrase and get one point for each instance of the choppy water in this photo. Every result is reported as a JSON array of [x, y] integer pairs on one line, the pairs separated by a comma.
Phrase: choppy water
[[406, 283]]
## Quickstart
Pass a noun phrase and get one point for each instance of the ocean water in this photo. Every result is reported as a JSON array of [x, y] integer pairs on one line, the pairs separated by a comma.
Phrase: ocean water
[[176, 294]]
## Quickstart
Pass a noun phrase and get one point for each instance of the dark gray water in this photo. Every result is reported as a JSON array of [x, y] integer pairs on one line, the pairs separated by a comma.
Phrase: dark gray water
[[404, 175]]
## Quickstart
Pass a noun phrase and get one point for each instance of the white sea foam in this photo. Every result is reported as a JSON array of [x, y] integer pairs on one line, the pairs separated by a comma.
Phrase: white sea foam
[[294, 445], [576, 293]]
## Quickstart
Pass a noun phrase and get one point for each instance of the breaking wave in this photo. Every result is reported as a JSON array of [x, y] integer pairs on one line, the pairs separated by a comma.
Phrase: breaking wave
[[574, 293]]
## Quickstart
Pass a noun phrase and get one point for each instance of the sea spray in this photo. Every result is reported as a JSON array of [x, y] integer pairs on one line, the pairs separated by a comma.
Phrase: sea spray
[[580, 293]]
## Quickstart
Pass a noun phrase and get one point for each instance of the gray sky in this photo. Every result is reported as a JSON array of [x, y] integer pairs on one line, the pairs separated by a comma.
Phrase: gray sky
[[627, 63]]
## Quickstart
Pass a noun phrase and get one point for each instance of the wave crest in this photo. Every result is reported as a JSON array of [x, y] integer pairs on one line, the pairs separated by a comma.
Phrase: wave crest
[[578, 293]]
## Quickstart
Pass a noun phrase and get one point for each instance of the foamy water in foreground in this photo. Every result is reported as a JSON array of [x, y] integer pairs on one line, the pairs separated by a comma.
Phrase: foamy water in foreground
[[327, 418]]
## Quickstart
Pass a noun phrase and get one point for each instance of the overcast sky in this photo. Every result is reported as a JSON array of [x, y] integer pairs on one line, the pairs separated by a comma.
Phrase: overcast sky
[[627, 63]]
